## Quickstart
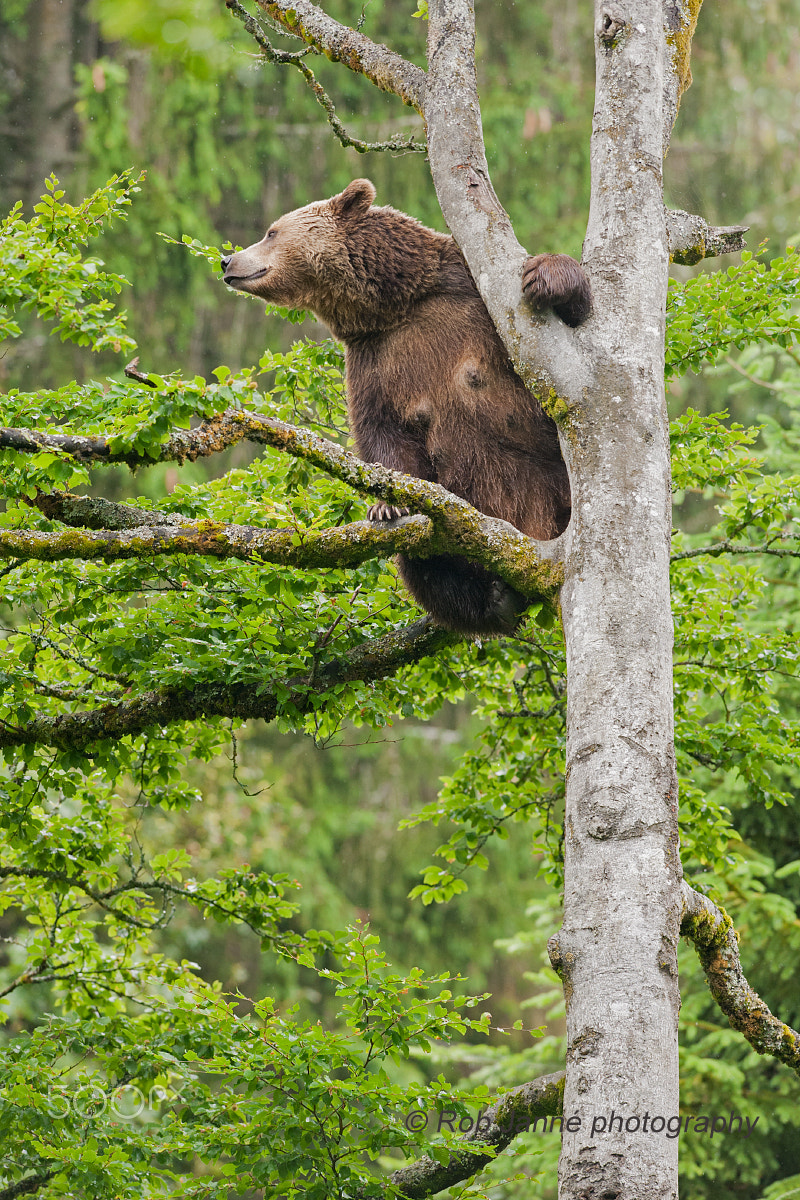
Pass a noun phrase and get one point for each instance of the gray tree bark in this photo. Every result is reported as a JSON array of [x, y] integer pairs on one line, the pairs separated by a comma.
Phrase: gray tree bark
[[603, 384], [618, 945]]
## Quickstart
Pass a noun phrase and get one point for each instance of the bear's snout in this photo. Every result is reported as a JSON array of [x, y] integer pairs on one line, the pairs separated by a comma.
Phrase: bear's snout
[[242, 269]]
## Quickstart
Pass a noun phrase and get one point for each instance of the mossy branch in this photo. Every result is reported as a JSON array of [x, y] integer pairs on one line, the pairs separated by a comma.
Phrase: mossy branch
[[382, 66], [246, 700], [711, 930], [345, 546], [283, 57], [533, 568], [690, 238], [94, 512], [514, 1113]]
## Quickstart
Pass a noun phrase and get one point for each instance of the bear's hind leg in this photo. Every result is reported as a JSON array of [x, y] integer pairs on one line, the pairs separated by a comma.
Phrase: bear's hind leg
[[461, 595]]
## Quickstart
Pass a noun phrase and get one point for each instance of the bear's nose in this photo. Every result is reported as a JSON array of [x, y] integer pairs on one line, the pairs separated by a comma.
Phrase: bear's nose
[[223, 262]]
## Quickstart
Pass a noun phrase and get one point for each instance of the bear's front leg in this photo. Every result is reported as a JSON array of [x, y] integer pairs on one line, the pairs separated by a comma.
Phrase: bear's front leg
[[557, 281], [388, 442]]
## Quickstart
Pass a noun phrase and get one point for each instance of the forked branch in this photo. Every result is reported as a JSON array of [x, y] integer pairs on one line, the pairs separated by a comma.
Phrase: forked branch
[[716, 943], [715, 940], [475, 216], [519, 1109]]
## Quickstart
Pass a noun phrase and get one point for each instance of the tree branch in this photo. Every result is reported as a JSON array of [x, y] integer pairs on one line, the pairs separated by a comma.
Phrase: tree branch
[[256, 698], [26, 1186], [770, 387], [728, 547], [712, 932], [533, 568], [158, 887], [345, 546], [282, 57], [514, 1113], [34, 975], [690, 239], [387, 70], [94, 512], [209, 437]]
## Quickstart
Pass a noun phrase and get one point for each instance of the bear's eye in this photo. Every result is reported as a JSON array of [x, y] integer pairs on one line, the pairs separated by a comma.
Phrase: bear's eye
[[271, 233]]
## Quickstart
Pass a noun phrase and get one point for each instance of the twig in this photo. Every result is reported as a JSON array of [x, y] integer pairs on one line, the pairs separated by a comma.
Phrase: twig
[[256, 31], [104, 900], [296, 59], [771, 387], [41, 639], [382, 66], [728, 547]]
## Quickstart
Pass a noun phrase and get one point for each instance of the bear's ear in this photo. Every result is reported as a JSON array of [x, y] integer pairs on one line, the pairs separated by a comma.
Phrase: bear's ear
[[354, 200]]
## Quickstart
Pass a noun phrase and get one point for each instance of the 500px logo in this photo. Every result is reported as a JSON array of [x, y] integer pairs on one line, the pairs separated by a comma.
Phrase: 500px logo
[[126, 1102]]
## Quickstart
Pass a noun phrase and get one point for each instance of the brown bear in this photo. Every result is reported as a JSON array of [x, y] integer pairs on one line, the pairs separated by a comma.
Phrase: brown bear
[[431, 389]]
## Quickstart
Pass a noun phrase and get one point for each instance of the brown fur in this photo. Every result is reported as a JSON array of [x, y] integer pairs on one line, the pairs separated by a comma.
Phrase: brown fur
[[431, 390], [556, 281]]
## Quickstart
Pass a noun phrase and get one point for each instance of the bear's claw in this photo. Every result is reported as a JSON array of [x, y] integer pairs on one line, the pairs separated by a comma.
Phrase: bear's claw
[[386, 512]]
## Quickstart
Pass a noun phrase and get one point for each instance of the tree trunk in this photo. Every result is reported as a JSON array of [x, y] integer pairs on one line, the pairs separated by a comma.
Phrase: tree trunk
[[617, 950], [49, 116]]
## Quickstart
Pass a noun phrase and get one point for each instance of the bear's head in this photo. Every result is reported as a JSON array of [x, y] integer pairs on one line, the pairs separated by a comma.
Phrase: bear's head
[[302, 259]]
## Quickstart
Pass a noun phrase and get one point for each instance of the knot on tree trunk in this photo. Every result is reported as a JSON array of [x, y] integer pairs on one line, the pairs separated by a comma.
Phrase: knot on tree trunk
[[609, 27]]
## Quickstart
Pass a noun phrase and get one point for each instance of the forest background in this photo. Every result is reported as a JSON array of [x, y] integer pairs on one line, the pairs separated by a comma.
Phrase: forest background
[[87, 91]]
